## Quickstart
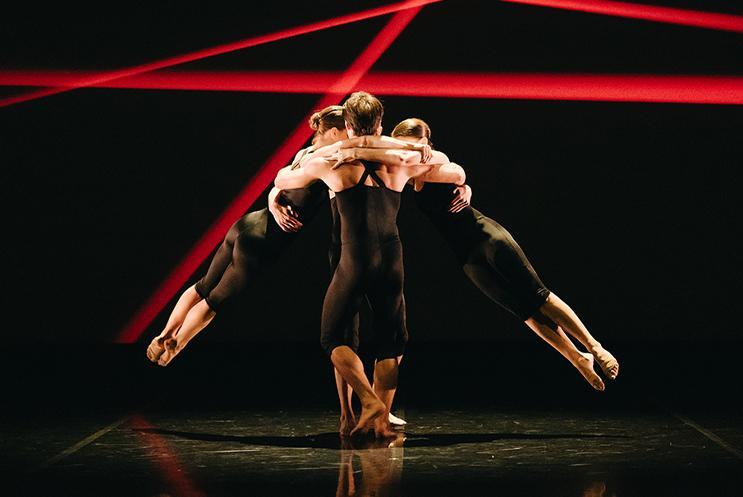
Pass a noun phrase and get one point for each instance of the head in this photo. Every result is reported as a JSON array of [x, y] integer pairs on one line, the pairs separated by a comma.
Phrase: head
[[329, 125], [363, 114], [413, 130]]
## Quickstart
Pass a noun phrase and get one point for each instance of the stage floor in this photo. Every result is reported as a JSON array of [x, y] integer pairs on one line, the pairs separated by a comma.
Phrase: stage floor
[[166, 451]]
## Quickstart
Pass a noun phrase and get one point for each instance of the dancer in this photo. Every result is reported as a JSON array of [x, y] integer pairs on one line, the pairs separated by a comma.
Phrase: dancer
[[345, 393], [495, 263], [254, 243], [368, 199]]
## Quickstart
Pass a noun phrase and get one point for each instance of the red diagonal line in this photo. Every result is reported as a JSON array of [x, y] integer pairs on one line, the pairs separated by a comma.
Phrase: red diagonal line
[[218, 50], [201, 250], [670, 15], [583, 87], [171, 469]]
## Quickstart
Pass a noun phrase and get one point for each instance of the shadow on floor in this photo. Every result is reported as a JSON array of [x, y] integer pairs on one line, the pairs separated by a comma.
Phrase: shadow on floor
[[333, 441]]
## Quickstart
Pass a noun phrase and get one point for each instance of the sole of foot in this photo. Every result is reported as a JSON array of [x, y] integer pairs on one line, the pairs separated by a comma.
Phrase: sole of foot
[[585, 367], [155, 349], [607, 362], [171, 350]]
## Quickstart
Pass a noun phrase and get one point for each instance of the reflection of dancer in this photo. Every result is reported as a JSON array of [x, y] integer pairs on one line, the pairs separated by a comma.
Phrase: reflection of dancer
[[381, 469], [495, 263], [368, 199], [596, 489]]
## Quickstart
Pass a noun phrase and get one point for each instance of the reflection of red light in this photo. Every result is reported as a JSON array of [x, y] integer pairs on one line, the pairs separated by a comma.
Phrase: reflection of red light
[[283, 155], [614, 87], [170, 467], [699, 19], [102, 77]]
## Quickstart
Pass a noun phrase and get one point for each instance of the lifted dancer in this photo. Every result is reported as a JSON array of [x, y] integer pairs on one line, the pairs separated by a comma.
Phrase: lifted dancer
[[495, 263]]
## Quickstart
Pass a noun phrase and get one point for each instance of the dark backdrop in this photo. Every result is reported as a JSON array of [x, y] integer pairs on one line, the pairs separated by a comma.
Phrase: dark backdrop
[[630, 212]]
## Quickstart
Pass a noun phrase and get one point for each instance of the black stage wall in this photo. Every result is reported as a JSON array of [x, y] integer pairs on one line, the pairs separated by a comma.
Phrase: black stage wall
[[629, 211]]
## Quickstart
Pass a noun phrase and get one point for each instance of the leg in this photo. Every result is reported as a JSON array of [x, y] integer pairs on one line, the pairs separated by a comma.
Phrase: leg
[[346, 484], [233, 281], [561, 313], [373, 409], [385, 381], [188, 299], [221, 260], [197, 319], [553, 335], [500, 269], [388, 398], [390, 332], [342, 301], [345, 393]]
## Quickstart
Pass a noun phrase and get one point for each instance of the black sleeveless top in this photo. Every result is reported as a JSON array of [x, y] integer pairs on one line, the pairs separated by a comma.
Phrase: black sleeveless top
[[462, 230], [367, 214]]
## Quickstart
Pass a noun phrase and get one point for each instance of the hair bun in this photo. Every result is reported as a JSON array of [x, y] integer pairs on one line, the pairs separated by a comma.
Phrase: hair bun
[[315, 120]]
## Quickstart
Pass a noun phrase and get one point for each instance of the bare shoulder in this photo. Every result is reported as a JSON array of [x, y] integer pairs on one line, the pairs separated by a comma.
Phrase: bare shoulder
[[439, 157], [301, 154], [316, 165]]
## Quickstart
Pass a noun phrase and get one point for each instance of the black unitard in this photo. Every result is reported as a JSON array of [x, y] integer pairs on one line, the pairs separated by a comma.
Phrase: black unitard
[[334, 254], [489, 255], [253, 244], [370, 264]]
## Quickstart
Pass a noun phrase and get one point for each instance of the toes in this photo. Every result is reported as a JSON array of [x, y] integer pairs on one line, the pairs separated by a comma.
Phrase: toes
[[598, 383]]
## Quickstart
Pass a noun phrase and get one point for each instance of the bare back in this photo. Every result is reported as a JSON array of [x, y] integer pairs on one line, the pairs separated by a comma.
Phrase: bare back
[[349, 175]]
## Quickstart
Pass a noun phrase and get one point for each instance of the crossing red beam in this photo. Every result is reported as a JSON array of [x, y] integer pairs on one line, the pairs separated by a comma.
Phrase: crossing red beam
[[107, 76], [245, 199], [655, 13], [529, 86]]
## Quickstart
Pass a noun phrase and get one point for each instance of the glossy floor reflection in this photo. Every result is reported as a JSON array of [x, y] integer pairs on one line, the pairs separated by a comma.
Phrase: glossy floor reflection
[[441, 452]]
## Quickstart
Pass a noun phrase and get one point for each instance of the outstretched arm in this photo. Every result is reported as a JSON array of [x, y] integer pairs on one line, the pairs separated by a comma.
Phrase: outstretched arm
[[381, 141], [388, 157], [376, 142]]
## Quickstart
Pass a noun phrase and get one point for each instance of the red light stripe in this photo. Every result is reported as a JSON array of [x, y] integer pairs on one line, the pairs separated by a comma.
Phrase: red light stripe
[[670, 15], [108, 76], [203, 247], [586, 87], [580, 87], [169, 465]]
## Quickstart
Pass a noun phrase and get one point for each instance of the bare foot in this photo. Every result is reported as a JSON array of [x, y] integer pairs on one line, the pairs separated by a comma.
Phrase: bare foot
[[585, 367], [608, 364], [156, 348], [347, 424], [171, 350], [369, 414], [382, 428]]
